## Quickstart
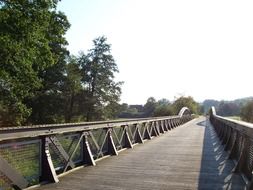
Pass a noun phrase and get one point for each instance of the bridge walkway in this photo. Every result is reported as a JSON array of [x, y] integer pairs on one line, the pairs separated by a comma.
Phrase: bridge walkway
[[188, 157]]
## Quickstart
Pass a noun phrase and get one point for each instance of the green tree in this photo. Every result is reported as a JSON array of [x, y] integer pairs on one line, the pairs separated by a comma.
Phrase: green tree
[[247, 112], [97, 69], [186, 102], [228, 109], [149, 107], [31, 38], [163, 108], [72, 89], [112, 110]]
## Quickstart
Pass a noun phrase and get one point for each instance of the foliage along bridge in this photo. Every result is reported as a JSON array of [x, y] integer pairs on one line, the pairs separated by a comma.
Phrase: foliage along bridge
[[176, 152]]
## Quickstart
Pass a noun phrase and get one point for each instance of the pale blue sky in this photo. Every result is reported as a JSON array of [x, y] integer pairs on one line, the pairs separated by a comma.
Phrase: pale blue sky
[[167, 48]]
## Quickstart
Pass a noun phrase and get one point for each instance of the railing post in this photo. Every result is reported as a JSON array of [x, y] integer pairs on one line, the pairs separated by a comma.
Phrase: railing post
[[230, 141], [180, 121], [228, 135], [154, 131], [177, 122], [173, 123], [161, 126], [138, 135], [169, 124], [111, 146], [233, 149], [87, 154], [165, 125], [223, 136], [147, 132], [47, 168], [243, 155], [128, 143]]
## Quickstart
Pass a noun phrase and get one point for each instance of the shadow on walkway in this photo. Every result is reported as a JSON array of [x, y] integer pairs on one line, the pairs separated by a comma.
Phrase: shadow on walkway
[[216, 169]]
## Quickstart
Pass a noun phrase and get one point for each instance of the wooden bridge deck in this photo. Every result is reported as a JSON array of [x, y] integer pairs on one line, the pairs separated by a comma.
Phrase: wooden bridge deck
[[188, 157]]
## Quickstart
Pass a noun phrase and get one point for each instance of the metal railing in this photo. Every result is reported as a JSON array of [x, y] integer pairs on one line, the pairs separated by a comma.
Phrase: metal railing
[[237, 138], [32, 155]]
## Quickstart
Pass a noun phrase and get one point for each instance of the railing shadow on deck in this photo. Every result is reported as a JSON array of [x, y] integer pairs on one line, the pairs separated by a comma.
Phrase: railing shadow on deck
[[216, 168]]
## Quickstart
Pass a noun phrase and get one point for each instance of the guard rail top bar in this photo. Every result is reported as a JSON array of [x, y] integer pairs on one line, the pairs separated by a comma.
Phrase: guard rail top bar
[[32, 155], [237, 138]]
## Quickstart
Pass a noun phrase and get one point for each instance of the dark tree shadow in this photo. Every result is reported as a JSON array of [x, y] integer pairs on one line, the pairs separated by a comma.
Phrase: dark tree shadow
[[216, 168]]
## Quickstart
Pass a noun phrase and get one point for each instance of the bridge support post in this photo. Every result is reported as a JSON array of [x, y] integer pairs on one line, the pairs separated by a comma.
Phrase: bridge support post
[[243, 156], [181, 121], [47, 168], [147, 132], [128, 143], [161, 126], [87, 154], [138, 136], [111, 146], [169, 124], [232, 150], [227, 136], [154, 130], [172, 124], [176, 121], [165, 125]]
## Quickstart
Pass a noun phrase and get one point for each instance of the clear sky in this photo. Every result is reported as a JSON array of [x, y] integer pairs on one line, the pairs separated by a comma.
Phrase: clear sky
[[167, 48]]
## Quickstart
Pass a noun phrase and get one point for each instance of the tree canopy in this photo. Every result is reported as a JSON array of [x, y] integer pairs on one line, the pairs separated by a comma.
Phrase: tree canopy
[[32, 40], [162, 107], [186, 102], [39, 81], [247, 112], [97, 70]]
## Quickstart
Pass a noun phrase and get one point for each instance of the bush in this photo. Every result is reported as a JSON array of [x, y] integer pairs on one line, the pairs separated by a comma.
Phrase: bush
[[247, 112]]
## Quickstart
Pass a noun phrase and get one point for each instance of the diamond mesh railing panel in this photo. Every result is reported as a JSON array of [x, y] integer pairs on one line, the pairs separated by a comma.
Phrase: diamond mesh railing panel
[[68, 142], [24, 156], [58, 161], [100, 138]]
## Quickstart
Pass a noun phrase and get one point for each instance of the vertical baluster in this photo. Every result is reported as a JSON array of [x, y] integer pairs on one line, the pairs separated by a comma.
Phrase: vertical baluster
[[128, 143], [47, 168], [243, 155], [138, 135], [87, 154], [147, 134], [161, 126], [111, 146]]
